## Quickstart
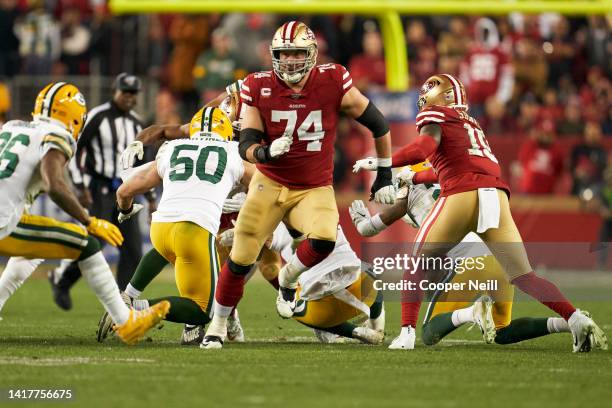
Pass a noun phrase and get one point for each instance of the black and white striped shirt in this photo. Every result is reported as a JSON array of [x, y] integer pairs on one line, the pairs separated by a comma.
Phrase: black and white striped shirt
[[107, 132]]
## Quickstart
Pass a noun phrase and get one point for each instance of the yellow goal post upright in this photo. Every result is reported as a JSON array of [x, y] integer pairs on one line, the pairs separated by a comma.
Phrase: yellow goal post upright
[[387, 11]]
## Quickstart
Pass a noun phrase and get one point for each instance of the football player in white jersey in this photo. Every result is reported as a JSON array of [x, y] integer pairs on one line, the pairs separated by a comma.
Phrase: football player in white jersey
[[197, 175], [33, 156], [449, 310]]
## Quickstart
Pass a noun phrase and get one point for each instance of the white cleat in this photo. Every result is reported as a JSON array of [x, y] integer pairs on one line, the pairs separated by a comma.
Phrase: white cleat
[[211, 343], [326, 337], [586, 333], [369, 336], [234, 328], [377, 324], [405, 340], [483, 318], [285, 302]]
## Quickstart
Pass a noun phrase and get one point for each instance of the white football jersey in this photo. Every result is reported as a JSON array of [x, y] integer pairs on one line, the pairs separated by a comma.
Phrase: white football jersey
[[22, 146], [198, 174], [340, 269], [421, 199]]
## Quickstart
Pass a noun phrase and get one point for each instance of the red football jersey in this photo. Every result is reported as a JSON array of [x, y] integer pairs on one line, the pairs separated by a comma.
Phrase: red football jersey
[[310, 116], [463, 160], [484, 72]]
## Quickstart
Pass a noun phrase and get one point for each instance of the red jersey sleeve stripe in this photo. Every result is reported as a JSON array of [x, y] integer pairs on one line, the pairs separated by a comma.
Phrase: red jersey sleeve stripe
[[429, 113], [246, 97], [347, 84], [429, 119], [245, 88], [346, 75]]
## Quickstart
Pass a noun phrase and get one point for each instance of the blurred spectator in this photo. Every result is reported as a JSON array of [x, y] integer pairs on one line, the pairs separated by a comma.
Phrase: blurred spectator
[[9, 45], [5, 102], [248, 31], [101, 41], [541, 160], [368, 69], [421, 50], [588, 161], [166, 112], [528, 114], [158, 49], [550, 108], [486, 70], [217, 67], [572, 123], [605, 233], [495, 120], [188, 34], [453, 46], [530, 68], [598, 43], [40, 41], [75, 43], [560, 51]]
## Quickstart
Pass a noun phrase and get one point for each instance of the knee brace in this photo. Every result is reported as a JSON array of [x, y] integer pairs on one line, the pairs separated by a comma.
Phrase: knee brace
[[322, 246]]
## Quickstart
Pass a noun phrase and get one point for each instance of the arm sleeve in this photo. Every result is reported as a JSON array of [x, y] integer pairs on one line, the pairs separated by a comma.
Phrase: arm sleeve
[[425, 177], [415, 152]]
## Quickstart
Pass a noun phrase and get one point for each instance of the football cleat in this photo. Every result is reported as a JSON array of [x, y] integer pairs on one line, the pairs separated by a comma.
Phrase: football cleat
[[326, 337], [140, 322], [377, 324], [285, 302], [192, 335], [405, 340], [105, 325], [61, 294], [483, 318], [368, 336], [585, 333], [234, 328], [212, 343]]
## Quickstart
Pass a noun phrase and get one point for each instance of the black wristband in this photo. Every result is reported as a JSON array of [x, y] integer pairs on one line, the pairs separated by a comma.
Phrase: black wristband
[[125, 212], [262, 154]]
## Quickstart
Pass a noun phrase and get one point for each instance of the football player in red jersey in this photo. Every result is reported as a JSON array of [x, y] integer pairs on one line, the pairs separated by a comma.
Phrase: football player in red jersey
[[288, 119], [474, 198]]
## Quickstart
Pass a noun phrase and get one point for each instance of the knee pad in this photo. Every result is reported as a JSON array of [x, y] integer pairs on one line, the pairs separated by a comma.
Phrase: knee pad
[[322, 246], [241, 270]]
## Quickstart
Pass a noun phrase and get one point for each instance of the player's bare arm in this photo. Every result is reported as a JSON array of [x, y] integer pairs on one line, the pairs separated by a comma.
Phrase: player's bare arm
[[249, 170], [357, 106], [52, 171], [138, 183]]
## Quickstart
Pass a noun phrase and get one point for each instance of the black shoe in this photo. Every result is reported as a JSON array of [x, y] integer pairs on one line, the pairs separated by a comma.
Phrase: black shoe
[[192, 335], [61, 295]]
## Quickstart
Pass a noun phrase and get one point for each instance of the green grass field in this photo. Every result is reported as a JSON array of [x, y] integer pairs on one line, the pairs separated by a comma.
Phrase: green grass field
[[282, 365]]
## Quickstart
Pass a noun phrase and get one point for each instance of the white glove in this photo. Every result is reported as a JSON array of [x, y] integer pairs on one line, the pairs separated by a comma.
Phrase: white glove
[[232, 205], [385, 195], [369, 163], [135, 209], [226, 238], [405, 177], [281, 145], [133, 150], [365, 224]]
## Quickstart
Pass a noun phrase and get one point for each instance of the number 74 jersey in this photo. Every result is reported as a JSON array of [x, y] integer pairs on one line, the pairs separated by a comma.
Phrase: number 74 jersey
[[463, 160], [197, 174], [309, 117]]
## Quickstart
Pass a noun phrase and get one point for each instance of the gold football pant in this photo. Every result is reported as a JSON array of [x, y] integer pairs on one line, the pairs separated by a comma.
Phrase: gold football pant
[[448, 301], [329, 311], [312, 211], [192, 251], [452, 217], [43, 237]]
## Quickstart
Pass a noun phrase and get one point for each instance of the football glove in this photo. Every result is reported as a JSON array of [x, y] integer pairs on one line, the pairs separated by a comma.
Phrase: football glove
[[105, 231], [133, 150], [382, 190], [226, 238], [369, 163], [405, 177], [232, 205], [133, 211], [280, 146], [365, 224]]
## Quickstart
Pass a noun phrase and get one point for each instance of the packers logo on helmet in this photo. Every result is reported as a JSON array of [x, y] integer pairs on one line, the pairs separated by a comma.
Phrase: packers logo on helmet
[[444, 90], [293, 36], [63, 103], [211, 122]]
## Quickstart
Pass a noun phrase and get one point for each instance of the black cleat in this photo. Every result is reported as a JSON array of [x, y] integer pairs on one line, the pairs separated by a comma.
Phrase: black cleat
[[212, 342], [61, 295], [192, 335]]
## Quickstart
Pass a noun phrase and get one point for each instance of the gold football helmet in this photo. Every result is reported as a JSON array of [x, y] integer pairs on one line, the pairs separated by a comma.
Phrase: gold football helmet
[[231, 105], [293, 36], [444, 90], [211, 121], [64, 103]]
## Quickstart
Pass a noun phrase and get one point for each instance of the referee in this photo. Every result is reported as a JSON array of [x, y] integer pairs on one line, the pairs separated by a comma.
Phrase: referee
[[108, 130]]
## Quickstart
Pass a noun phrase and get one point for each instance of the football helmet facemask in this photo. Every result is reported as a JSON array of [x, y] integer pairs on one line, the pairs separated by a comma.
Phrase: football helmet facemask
[[211, 122], [444, 90], [293, 36], [231, 106], [61, 103]]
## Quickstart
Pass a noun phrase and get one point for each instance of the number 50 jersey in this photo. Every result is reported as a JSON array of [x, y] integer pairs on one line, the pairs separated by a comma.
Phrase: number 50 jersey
[[463, 160], [309, 116], [198, 174]]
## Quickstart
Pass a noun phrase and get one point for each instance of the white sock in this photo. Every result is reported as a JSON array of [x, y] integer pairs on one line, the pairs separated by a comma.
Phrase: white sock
[[140, 304], [218, 324], [132, 291], [462, 316], [291, 272], [557, 325], [100, 278], [17, 270]]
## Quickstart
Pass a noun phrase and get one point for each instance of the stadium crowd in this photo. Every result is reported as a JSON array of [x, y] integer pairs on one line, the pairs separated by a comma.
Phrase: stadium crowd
[[539, 85]]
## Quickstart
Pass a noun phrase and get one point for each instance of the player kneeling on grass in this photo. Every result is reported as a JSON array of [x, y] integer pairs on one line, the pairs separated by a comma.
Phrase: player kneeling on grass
[[197, 175], [333, 292], [448, 310], [33, 157]]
